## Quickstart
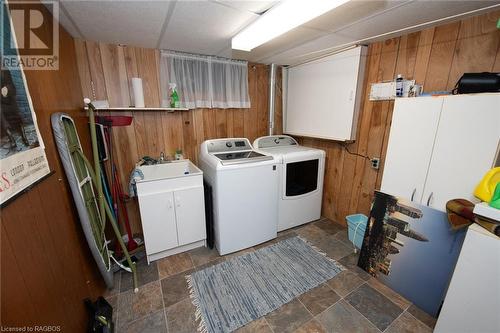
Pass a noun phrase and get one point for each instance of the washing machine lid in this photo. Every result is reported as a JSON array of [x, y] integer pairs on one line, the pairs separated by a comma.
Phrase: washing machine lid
[[231, 151], [248, 156]]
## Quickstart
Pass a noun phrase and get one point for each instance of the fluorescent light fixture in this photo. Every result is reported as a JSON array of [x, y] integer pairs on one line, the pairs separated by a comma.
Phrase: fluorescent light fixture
[[279, 19]]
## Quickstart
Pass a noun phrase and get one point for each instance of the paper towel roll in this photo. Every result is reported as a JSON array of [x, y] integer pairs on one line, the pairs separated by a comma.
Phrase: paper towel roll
[[138, 93]]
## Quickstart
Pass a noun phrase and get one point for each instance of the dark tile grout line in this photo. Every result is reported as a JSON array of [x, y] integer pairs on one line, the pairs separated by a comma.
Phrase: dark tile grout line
[[305, 307], [117, 308], [352, 291], [344, 298], [314, 317], [133, 321], [116, 315], [347, 244], [117, 295], [409, 313], [146, 315], [163, 299], [267, 323], [403, 310], [394, 320]]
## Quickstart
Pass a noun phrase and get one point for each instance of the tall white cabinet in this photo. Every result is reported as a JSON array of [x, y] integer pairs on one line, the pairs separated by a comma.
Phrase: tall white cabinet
[[473, 298], [440, 147]]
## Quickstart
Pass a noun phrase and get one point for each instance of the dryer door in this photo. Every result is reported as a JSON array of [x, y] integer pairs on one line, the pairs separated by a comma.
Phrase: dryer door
[[300, 178]]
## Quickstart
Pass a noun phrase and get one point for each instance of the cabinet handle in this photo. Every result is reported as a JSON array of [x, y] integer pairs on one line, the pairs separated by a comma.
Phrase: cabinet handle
[[177, 201], [170, 203], [413, 194], [429, 199]]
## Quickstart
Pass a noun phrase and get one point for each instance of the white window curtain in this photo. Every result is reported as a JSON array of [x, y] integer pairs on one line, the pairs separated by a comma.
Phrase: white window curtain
[[204, 81]]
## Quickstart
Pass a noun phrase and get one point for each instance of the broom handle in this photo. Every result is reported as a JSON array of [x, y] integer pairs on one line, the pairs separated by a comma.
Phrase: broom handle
[[97, 167], [126, 221]]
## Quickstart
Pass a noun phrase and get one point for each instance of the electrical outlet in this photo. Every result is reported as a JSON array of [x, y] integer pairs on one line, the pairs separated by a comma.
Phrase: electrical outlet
[[375, 162]]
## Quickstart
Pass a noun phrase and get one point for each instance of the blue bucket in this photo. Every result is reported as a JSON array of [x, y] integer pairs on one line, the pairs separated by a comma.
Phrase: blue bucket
[[356, 228]]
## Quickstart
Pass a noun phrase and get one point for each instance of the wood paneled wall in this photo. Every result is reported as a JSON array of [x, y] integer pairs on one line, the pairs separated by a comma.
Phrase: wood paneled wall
[[107, 69], [434, 57], [46, 267]]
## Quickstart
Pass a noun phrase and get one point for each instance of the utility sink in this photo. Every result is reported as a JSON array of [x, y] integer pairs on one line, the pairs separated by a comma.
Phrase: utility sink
[[169, 170], [172, 206]]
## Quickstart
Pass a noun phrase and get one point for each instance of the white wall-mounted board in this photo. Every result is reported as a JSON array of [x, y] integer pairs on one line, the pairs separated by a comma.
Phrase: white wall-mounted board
[[323, 96]]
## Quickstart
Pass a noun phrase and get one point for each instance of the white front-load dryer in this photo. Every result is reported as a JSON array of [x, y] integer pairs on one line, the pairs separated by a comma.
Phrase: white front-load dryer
[[301, 172]]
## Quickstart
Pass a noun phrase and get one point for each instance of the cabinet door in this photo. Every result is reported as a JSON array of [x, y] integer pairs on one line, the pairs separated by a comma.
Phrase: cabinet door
[[474, 289], [190, 211], [465, 147], [158, 221], [413, 129]]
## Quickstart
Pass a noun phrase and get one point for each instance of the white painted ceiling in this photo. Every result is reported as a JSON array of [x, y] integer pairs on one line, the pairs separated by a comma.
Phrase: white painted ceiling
[[206, 27]]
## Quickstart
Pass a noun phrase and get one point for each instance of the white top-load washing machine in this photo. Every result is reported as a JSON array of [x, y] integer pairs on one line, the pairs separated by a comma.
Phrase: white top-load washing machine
[[301, 172], [244, 190]]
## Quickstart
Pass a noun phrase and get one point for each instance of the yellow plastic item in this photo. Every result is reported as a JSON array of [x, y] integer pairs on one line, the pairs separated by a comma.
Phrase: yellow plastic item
[[486, 187]]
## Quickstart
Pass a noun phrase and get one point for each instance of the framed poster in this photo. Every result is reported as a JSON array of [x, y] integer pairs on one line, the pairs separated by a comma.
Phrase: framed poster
[[22, 154]]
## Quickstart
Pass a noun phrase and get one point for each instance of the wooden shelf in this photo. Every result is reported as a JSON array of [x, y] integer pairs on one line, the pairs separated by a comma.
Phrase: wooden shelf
[[127, 109]]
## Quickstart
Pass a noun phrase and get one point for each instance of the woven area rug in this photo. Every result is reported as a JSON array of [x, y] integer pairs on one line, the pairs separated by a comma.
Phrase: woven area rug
[[235, 292]]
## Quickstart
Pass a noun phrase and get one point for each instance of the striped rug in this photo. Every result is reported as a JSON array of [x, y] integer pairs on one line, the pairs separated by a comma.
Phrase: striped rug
[[235, 292]]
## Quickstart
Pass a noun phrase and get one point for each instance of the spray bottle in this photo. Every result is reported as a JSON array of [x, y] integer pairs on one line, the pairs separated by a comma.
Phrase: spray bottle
[[399, 85], [174, 97]]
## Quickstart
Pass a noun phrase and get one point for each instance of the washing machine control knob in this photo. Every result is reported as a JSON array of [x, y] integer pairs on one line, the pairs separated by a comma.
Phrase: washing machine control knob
[[229, 144]]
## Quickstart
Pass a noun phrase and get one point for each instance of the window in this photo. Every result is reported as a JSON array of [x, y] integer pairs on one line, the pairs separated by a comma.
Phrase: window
[[204, 81]]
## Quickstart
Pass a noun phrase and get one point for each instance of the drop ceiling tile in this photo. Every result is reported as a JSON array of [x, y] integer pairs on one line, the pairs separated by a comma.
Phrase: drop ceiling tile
[[350, 13], [281, 43], [135, 23], [203, 27], [408, 15], [256, 7], [226, 53], [309, 50], [64, 20]]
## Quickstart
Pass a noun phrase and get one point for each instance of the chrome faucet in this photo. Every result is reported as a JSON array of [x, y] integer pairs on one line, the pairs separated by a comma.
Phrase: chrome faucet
[[164, 159]]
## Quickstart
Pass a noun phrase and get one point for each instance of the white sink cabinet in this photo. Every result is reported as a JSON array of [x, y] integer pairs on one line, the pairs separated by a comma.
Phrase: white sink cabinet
[[172, 207]]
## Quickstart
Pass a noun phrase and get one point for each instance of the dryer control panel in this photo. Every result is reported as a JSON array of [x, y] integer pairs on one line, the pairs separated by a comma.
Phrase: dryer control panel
[[275, 141]]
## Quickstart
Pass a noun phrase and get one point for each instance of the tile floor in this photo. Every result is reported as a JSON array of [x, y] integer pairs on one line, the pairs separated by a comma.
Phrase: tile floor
[[350, 302]]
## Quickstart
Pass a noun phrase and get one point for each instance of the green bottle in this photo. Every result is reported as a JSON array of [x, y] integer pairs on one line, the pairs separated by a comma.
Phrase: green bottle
[[174, 97], [495, 199]]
